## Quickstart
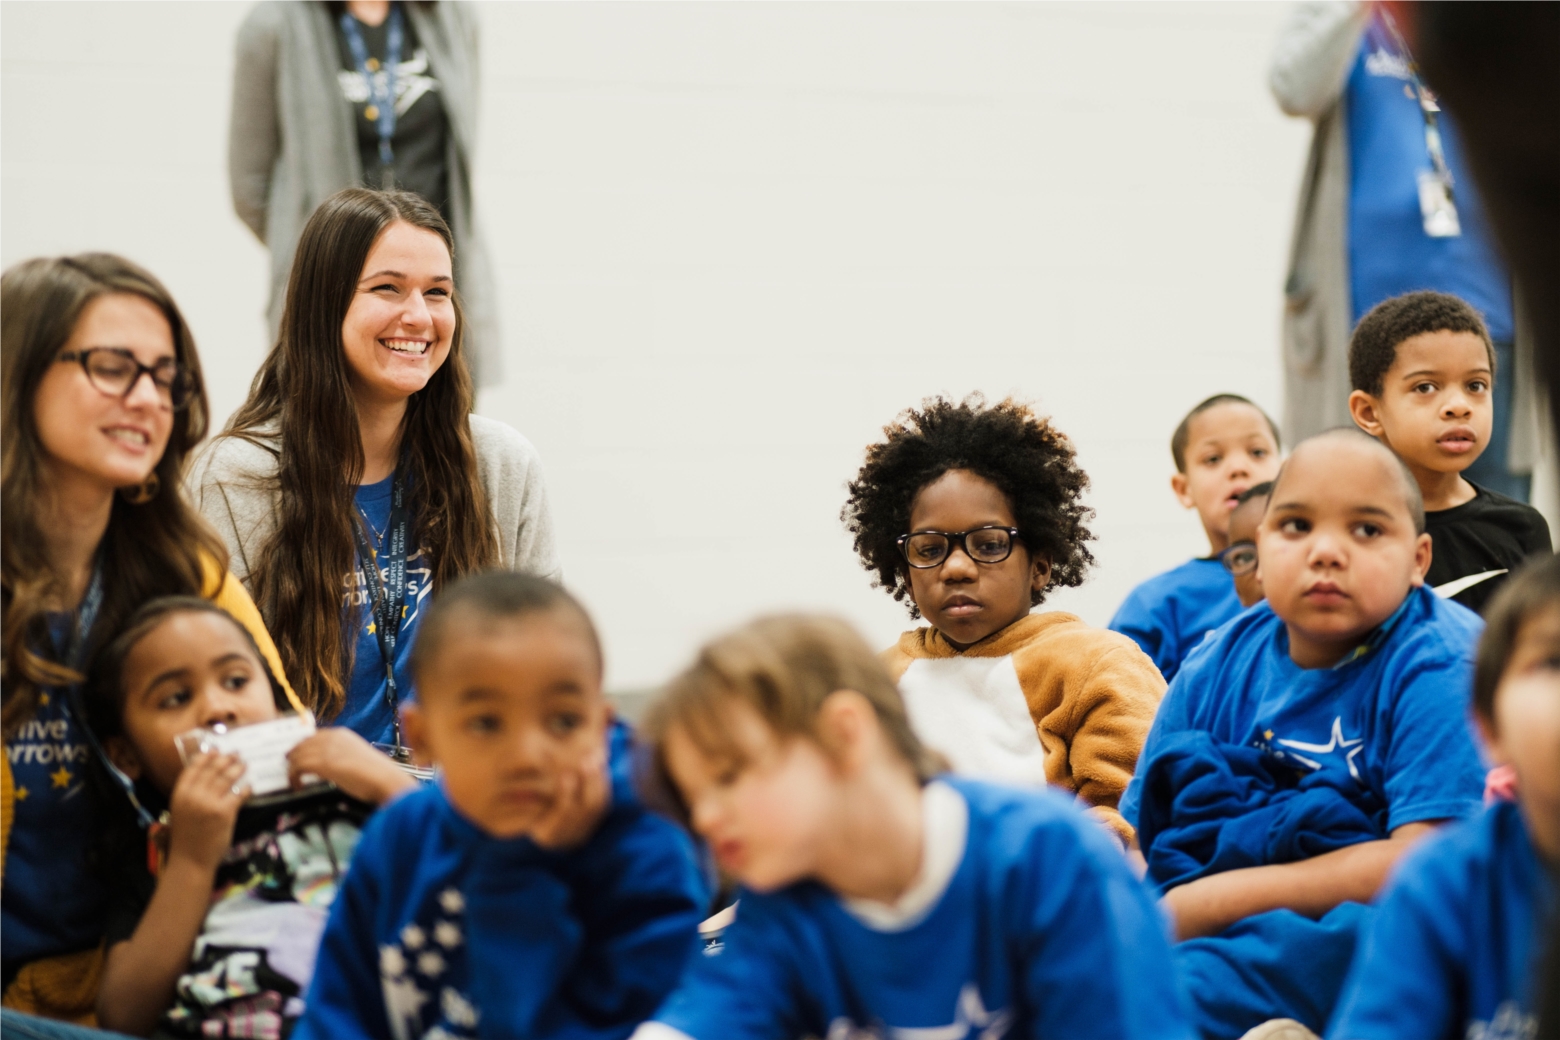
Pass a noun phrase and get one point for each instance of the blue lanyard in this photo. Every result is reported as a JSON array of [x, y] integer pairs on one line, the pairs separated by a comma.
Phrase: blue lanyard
[[389, 598], [381, 84], [76, 660]]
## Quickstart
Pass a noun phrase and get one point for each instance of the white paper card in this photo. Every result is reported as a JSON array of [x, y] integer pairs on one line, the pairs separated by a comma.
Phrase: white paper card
[[263, 746]]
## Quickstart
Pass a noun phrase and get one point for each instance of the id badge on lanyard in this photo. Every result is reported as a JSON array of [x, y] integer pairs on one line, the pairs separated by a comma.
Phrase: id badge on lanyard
[[1437, 201]]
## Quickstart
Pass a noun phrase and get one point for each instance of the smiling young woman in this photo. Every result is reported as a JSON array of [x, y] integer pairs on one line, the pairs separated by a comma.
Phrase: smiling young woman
[[355, 481], [102, 401]]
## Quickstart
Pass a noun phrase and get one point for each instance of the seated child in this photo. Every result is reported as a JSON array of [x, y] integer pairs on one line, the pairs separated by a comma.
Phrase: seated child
[[878, 899], [1307, 743], [1240, 557], [1423, 369], [1453, 950], [527, 892], [1223, 447], [213, 924], [973, 512]]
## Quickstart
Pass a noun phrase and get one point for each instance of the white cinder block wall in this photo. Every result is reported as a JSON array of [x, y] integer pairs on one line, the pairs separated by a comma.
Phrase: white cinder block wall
[[734, 239]]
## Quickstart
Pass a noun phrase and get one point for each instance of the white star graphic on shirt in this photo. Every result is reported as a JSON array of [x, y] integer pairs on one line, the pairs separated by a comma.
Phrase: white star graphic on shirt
[[1335, 744]]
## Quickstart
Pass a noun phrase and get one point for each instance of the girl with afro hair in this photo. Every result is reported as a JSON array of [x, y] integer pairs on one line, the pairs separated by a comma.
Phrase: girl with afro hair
[[972, 513]]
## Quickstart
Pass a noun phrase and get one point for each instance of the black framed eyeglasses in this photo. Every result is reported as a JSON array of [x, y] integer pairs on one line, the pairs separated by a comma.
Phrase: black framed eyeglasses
[[115, 371], [923, 549], [1240, 558]]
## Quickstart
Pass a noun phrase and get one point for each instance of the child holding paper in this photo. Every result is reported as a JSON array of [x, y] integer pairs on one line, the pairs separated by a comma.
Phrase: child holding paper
[[217, 913]]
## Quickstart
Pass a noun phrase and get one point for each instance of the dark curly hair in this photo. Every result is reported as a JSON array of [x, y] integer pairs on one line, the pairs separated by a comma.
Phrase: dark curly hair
[[1373, 347], [1029, 460]]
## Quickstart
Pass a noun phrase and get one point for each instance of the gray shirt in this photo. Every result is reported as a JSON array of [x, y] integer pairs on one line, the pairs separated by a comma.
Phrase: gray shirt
[[233, 484]]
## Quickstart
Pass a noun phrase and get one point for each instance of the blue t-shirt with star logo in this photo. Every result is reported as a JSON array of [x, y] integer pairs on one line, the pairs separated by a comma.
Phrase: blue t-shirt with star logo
[[1391, 720], [53, 902], [367, 709], [442, 930]]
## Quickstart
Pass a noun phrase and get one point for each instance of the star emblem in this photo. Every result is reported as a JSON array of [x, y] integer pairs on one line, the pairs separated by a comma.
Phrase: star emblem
[[1267, 734], [430, 964], [43, 700], [62, 777], [446, 934], [1351, 748], [412, 937], [21, 794], [452, 901]]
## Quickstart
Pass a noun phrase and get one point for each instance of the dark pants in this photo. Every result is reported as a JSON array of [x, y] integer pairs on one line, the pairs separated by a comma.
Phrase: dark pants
[[1490, 469]]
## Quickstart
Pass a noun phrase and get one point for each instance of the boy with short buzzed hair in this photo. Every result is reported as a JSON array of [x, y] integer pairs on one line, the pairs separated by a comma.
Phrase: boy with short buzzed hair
[[1224, 446], [526, 892], [1423, 370], [1307, 743]]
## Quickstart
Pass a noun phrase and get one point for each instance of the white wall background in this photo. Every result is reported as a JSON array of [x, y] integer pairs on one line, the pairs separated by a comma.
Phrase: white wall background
[[734, 239]]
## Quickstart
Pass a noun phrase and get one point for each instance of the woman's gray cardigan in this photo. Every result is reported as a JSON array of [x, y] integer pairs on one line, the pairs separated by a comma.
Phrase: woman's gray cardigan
[[292, 143], [1309, 71], [233, 484]]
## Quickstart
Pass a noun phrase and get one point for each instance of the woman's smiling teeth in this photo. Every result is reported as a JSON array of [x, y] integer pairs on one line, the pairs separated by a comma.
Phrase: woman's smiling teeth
[[406, 346], [126, 435]]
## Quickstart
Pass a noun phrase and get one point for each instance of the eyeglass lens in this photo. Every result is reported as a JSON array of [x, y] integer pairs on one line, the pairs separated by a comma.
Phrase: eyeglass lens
[[929, 548], [1239, 559], [113, 373]]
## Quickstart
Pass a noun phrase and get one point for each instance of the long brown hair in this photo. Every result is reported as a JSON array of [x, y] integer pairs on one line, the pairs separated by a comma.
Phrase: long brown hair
[[150, 549], [302, 394]]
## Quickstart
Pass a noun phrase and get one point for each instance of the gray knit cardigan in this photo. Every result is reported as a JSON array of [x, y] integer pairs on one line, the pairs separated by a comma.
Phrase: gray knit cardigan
[[233, 484], [291, 143]]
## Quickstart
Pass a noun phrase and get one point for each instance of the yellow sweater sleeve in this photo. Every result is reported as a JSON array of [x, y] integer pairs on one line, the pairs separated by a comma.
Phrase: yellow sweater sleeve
[[228, 593], [1093, 695]]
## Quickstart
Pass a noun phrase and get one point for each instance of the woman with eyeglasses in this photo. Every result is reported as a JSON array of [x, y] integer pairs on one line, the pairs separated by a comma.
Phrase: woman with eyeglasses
[[102, 401], [355, 481]]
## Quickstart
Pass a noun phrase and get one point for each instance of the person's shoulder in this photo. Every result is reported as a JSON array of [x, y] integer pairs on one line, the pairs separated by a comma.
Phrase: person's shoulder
[[1448, 863], [1435, 630], [1068, 638], [498, 440], [237, 458], [1518, 517], [1246, 634], [1198, 572], [402, 825], [1028, 827]]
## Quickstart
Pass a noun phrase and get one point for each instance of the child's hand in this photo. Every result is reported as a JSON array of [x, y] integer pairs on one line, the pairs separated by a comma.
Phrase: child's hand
[[201, 810], [351, 763], [584, 796]]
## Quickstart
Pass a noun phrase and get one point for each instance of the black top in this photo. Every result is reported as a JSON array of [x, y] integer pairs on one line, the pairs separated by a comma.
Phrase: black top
[[421, 127], [1487, 533]]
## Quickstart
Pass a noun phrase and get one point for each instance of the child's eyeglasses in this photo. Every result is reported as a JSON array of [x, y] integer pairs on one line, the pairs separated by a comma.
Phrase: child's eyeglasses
[[115, 371], [1240, 558], [924, 549]]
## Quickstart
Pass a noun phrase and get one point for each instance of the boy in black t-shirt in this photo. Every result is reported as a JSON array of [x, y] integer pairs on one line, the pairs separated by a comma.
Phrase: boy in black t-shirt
[[1423, 369]]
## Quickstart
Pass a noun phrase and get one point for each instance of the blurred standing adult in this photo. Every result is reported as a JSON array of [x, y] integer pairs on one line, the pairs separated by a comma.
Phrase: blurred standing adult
[[1386, 207], [369, 93]]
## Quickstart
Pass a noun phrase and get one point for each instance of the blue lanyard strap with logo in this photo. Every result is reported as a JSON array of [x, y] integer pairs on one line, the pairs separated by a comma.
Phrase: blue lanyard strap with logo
[[381, 82], [389, 592], [75, 658], [1437, 201]]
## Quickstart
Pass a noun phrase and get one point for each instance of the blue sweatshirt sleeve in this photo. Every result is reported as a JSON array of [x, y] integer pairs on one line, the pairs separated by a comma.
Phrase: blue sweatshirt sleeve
[[1408, 969], [344, 1001], [1138, 619], [747, 991], [1433, 771], [1094, 945]]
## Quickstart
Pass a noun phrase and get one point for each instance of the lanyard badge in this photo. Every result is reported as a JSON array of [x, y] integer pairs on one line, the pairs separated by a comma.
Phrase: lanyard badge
[[381, 83], [389, 610], [1437, 202]]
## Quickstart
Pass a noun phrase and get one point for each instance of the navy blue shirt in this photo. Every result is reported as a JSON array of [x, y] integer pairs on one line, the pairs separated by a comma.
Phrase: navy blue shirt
[[367, 711], [1170, 614], [1390, 720], [1040, 931], [1389, 252], [52, 901], [1456, 943], [440, 927]]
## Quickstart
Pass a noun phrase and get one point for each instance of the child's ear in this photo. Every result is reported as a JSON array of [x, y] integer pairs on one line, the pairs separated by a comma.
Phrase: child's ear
[[414, 727], [845, 725], [1178, 485], [1041, 572], [123, 755], [1423, 549], [1366, 412]]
